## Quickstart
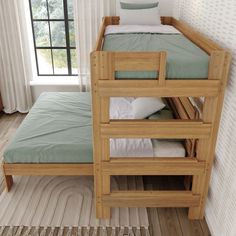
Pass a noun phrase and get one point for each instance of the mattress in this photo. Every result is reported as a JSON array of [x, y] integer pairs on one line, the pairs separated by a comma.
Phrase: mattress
[[185, 60], [58, 129]]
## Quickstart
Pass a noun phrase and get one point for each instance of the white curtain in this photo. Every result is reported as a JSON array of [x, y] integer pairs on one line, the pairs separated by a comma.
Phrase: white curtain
[[88, 16], [15, 65]]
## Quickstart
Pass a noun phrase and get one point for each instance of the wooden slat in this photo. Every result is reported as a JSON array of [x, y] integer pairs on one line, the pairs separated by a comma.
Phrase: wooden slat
[[142, 88], [136, 61], [151, 199], [153, 166], [155, 129], [162, 69], [179, 107], [48, 169], [189, 108]]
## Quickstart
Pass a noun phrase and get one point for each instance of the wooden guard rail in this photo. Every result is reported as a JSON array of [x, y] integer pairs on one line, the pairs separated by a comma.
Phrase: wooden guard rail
[[155, 129], [153, 166]]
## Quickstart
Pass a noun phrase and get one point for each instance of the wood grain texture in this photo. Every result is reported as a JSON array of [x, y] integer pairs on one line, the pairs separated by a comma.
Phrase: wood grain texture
[[151, 199], [153, 166], [48, 169], [150, 88], [164, 129]]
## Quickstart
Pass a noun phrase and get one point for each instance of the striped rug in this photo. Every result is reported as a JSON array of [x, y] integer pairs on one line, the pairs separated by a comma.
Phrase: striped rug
[[58, 205]]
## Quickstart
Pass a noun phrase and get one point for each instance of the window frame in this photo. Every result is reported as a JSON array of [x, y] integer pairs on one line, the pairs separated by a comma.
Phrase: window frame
[[67, 47]]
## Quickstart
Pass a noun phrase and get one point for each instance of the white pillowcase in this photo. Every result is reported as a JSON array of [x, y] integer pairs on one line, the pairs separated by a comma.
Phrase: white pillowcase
[[149, 16], [145, 106]]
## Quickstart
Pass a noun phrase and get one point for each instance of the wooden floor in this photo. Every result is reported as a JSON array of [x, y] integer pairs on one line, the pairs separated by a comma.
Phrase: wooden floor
[[164, 221]]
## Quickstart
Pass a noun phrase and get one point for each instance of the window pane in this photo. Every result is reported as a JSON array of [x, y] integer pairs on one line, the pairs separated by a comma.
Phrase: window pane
[[39, 9], [58, 34], [41, 31], [44, 61], [70, 9], [74, 64], [56, 9], [60, 61], [72, 33]]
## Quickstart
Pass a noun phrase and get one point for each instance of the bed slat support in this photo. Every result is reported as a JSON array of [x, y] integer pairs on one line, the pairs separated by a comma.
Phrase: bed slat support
[[151, 199]]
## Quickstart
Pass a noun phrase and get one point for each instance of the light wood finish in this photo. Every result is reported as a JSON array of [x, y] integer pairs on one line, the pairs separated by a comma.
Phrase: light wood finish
[[212, 108], [163, 221], [194, 130], [153, 166], [48, 169], [99, 180], [156, 129], [151, 199], [174, 88]]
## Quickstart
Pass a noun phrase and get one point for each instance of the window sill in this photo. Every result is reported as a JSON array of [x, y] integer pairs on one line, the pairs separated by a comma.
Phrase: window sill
[[54, 80]]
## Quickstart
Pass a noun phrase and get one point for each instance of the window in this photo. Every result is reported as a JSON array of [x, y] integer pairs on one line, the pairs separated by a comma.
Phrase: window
[[54, 37]]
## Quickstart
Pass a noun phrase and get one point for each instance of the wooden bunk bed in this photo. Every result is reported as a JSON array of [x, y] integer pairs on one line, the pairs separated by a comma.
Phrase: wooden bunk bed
[[200, 133]]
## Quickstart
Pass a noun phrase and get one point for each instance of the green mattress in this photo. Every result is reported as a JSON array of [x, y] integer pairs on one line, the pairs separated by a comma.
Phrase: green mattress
[[184, 59], [56, 130]]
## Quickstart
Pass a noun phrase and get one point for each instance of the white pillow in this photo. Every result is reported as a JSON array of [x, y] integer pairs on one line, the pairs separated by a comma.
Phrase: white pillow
[[140, 16], [145, 106]]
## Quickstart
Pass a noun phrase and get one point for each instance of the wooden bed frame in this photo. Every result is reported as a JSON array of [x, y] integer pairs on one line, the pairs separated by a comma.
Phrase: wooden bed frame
[[200, 134], [85, 169], [198, 164]]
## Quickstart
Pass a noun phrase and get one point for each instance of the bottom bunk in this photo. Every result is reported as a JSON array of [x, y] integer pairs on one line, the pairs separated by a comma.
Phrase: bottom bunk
[[58, 129], [56, 139]]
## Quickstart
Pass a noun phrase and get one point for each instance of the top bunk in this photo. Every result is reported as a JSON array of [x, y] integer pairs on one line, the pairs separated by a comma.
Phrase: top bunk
[[182, 60]]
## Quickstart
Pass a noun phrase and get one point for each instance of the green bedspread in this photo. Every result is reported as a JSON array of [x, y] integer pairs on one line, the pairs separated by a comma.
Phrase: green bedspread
[[184, 59], [57, 130]]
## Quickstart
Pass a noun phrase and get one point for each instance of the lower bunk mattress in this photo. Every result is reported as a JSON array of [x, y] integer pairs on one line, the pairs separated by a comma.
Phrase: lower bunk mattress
[[58, 129]]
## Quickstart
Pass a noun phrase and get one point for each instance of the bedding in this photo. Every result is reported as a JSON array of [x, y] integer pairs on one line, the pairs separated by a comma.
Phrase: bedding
[[128, 5], [143, 107], [58, 129], [148, 16], [184, 59]]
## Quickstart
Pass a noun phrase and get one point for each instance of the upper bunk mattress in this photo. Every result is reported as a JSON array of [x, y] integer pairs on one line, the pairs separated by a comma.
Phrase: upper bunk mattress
[[57, 130], [185, 60]]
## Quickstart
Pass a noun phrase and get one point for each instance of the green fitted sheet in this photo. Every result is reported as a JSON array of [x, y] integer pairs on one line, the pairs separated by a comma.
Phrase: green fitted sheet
[[184, 59], [58, 129]]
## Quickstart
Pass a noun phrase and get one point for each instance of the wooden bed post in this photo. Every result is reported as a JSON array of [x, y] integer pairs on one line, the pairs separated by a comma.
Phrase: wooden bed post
[[100, 147], [218, 69], [8, 179]]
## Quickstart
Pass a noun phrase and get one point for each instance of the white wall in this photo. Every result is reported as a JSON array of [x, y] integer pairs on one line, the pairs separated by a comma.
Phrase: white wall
[[217, 20]]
